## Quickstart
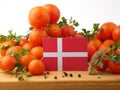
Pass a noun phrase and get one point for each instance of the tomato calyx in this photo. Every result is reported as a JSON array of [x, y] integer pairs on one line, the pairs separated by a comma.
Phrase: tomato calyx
[[90, 34]]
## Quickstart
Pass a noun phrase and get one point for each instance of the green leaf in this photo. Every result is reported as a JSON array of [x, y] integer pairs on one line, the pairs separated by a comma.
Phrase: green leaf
[[100, 64], [2, 38], [20, 71], [24, 51], [5, 47], [118, 44], [65, 22], [17, 54], [21, 78], [90, 34], [92, 70]]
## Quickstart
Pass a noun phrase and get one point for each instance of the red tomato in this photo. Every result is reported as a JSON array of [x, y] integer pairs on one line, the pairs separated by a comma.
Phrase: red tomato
[[26, 59], [36, 67], [106, 30], [37, 51], [38, 17], [108, 42], [28, 46], [67, 31], [53, 11], [91, 50], [54, 30], [36, 36], [116, 33], [96, 42], [7, 63], [114, 67], [22, 42], [106, 48]]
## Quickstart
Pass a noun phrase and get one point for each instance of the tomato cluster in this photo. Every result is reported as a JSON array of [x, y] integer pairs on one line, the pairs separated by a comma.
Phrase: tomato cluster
[[19, 53], [23, 52], [44, 20], [107, 40]]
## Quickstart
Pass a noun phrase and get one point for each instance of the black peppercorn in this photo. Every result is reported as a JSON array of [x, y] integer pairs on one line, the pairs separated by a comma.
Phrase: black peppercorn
[[55, 77], [66, 74], [71, 75], [79, 75]]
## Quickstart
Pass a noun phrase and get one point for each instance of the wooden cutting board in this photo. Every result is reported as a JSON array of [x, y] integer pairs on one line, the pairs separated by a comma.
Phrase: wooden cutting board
[[104, 81]]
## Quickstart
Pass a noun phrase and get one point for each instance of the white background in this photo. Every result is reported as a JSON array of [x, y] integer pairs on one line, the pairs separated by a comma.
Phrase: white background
[[14, 13]]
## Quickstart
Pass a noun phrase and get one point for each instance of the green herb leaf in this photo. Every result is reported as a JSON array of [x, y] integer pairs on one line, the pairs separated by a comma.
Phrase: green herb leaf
[[20, 71], [5, 47], [65, 22], [90, 34], [17, 54]]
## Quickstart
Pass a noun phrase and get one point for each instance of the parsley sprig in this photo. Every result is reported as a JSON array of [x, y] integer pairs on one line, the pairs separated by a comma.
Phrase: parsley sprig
[[97, 60], [10, 36], [112, 56], [65, 22], [20, 71], [17, 54], [91, 33]]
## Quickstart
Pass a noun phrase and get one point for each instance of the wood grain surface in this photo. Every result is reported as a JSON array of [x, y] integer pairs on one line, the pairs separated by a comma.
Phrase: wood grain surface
[[104, 81]]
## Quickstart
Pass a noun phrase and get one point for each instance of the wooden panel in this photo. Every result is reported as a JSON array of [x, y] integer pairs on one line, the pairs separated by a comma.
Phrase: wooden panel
[[85, 82]]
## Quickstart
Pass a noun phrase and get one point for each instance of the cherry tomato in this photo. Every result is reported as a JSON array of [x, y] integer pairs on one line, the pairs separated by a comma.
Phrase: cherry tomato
[[54, 30], [26, 59], [91, 50], [36, 67], [22, 42], [7, 63], [114, 67], [38, 17], [36, 36], [106, 30], [67, 31], [108, 42], [106, 48], [96, 42], [53, 11], [37, 51], [28, 46], [116, 33]]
